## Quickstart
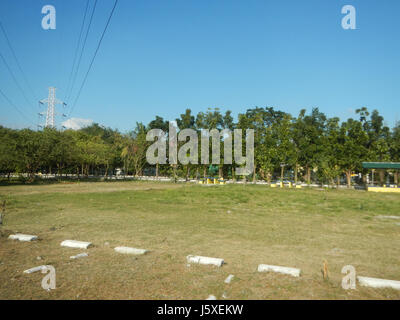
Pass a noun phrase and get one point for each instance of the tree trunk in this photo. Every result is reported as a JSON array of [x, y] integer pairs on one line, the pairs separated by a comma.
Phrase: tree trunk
[[308, 175], [381, 177], [233, 174], [3, 211], [396, 177], [174, 172], [348, 177], [282, 172], [262, 174], [106, 172], [204, 172], [254, 174], [269, 177], [157, 170], [295, 173]]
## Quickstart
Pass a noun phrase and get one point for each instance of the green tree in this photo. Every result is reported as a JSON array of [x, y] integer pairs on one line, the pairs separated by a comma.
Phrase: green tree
[[395, 149], [352, 152], [308, 132], [8, 152]]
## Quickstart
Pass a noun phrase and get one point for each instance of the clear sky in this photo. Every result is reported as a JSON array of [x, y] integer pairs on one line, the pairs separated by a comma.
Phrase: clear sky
[[159, 57]]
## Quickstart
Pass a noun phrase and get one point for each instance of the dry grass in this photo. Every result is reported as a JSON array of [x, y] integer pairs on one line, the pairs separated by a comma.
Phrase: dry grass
[[296, 228]]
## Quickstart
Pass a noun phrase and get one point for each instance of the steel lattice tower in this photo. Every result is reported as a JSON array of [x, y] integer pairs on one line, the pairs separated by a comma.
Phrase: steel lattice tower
[[51, 107]]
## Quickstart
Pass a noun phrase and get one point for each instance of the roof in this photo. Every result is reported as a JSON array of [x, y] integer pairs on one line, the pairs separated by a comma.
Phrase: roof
[[381, 165]]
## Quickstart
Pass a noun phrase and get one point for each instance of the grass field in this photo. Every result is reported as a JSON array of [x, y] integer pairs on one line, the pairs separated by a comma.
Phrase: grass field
[[246, 225]]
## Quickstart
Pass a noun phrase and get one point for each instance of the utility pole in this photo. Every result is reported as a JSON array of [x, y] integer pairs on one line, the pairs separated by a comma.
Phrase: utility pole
[[51, 101]]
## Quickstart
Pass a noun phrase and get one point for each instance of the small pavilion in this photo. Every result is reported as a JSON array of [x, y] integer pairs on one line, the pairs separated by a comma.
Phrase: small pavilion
[[382, 166]]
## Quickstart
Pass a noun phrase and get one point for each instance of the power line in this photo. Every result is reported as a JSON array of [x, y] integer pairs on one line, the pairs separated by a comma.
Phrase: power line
[[17, 61], [94, 56], [15, 107], [77, 49], [15, 80], [80, 57]]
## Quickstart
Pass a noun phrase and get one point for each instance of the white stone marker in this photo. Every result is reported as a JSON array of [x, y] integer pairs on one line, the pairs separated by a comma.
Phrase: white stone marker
[[229, 278], [378, 283], [290, 271], [205, 260], [22, 237], [81, 255], [388, 217], [76, 244], [35, 269], [211, 297], [128, 250]]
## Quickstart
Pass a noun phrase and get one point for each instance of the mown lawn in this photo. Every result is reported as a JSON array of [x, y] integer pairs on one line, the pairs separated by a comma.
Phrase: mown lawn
[[245, 224]]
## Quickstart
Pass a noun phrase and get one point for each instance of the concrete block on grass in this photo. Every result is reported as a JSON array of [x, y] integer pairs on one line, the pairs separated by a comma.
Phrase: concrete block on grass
[[35, 269], [388, 217], [128, 250], [294, 272], [205, 260], [229, 278], [378, 283], [81, 255], [22, 237], [76, 244]]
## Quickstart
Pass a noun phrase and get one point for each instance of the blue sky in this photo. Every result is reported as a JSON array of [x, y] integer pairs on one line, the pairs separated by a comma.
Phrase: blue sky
[[160, 57]]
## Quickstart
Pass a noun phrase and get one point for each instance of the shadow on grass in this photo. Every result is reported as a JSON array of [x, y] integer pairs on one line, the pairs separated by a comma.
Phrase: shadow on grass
[[58, 180]]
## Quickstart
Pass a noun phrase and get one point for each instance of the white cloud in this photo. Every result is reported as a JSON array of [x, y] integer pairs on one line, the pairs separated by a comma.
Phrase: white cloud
[[77, 123]]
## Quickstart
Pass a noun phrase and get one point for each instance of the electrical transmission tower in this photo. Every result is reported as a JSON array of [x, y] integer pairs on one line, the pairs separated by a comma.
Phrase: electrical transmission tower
[[51, 101]]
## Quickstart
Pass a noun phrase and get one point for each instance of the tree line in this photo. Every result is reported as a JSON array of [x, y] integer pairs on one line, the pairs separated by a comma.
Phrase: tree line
[[309, 147]]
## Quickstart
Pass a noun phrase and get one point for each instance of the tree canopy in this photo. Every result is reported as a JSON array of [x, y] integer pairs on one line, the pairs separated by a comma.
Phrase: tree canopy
[[305, 147]]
